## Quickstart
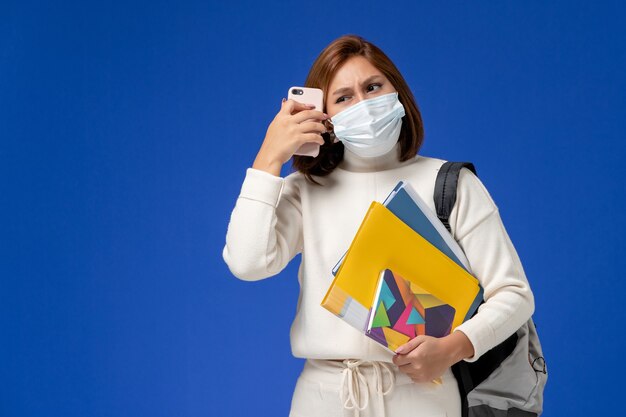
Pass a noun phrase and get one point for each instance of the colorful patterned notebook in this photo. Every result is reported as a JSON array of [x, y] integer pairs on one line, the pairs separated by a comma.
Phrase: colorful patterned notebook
[[401, 310]]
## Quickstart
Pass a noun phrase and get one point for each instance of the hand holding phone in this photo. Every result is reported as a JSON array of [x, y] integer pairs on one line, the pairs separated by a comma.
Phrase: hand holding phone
[[296, 129], [307, 95]]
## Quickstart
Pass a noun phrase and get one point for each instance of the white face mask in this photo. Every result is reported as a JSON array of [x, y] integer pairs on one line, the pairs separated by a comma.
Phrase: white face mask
[[370, 127]]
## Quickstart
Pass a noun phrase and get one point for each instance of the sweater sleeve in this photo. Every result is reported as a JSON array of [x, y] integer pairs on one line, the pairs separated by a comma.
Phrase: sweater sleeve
[[265, 228], [509, 301]]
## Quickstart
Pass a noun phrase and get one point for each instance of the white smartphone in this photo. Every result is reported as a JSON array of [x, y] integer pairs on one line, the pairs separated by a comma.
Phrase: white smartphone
[[313, 96]]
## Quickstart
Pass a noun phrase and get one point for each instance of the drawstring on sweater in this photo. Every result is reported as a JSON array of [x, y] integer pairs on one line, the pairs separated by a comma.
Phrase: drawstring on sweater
[[354, 391]]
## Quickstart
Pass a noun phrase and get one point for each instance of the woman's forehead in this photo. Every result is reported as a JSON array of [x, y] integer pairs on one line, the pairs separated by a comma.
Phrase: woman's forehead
[[353, 72]]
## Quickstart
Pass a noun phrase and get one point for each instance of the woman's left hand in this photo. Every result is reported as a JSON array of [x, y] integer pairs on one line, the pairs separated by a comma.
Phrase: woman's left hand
[[425, 358]]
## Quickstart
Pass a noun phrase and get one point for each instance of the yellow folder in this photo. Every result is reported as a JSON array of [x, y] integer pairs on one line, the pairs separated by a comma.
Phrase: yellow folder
[[384, 241]]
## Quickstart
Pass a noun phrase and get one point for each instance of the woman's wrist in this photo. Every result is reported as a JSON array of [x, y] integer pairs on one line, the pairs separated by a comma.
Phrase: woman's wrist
[[459, 346], [264, 163]]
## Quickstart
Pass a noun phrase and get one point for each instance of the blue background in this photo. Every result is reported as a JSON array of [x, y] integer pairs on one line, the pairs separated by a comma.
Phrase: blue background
[[125, 132]]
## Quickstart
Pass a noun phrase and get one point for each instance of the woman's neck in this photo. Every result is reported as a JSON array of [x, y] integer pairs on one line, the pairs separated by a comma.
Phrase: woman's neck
[[354, 163]]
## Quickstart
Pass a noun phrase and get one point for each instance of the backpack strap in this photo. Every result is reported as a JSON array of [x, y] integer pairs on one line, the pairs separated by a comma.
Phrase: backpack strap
[[445, 198], [445, 189], [468, 374]]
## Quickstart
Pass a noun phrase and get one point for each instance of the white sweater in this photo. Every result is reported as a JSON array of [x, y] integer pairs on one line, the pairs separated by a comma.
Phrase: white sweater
[[276, 218]]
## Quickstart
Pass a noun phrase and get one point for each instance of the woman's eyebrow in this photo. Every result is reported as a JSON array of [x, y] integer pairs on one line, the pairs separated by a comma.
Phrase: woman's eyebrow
[[346, 89]]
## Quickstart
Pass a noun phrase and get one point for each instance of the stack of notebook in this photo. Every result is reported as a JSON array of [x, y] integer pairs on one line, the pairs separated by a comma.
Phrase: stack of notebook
[[403, 274]]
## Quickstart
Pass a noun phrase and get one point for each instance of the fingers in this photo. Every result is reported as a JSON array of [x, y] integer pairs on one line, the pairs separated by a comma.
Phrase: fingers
[[290, 106], [417, 370], [309, 127], [422, 358], [309, 114], [300, 122], [411, 344], [312, 132], [401, 360], [312, 137]]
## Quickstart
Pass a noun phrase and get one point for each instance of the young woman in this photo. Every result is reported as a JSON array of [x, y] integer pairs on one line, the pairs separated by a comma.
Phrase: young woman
[[317, 210]]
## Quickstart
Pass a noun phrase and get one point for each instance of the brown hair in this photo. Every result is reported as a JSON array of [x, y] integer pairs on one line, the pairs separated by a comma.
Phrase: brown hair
[[322, 72]]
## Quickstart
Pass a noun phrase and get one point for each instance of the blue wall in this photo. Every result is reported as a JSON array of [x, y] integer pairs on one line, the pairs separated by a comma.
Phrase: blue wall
[[125, 133]]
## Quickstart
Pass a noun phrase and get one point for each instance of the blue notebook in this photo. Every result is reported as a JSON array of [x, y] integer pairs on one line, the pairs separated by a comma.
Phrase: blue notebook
[[407, 205]]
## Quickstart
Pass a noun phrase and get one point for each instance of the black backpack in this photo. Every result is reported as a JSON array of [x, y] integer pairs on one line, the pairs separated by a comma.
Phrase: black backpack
[[509, 379]]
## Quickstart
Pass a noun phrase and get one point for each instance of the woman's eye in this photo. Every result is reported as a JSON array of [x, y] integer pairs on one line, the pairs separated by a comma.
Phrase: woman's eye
[[340, 99], [370, 87]]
